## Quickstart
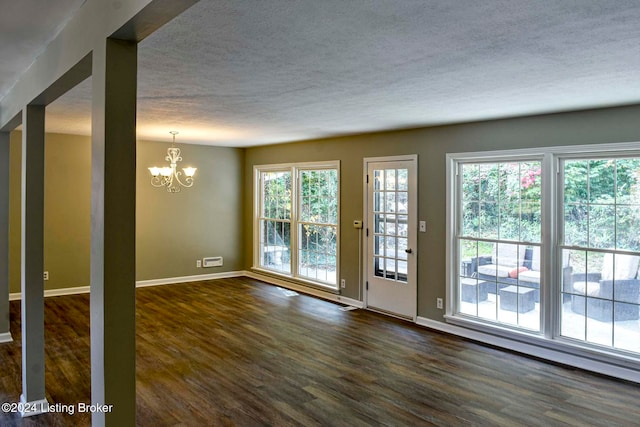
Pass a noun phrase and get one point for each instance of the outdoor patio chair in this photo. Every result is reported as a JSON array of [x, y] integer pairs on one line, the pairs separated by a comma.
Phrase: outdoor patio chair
[[612, 294]]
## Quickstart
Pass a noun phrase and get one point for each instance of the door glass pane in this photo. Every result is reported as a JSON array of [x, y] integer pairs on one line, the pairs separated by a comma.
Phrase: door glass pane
[[390, 179], [402, 178], [390, 202], [403, 201], [390, 197], [378, 248]]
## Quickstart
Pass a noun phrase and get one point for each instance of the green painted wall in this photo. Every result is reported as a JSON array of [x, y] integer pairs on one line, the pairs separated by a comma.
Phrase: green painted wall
[[15, 183], [173, 230], [67, 208], [431, 144]]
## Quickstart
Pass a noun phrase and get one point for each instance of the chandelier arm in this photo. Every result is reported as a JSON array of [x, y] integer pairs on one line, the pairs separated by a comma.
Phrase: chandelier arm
[[158, 181], [188, 181]]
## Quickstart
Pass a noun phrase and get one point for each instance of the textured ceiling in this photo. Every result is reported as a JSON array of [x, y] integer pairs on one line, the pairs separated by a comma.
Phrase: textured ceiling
[[253, 72], [26, 26]]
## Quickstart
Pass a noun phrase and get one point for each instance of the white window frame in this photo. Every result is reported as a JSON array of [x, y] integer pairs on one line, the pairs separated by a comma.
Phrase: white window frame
[[560, 245], [552, 220], [453, 297], [294, 169]]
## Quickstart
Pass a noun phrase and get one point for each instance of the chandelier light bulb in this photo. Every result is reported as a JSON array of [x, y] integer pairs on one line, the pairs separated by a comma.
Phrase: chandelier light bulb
[[189, 171]]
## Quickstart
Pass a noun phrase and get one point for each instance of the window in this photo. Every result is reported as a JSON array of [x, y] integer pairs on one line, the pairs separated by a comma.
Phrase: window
[[275, 220], [297, 221], [549, 234], [601, 247], [499, 242]]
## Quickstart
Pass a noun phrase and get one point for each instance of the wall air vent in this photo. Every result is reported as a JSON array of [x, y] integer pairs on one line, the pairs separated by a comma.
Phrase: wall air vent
[[215, 261]]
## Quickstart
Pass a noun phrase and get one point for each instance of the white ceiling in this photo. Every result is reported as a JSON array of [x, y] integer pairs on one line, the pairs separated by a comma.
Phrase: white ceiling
[[251, 72]]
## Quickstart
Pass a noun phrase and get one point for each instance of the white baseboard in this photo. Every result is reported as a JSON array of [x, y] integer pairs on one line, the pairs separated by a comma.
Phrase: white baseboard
[[37, 407], [350, 301], [139, 284], [304, 289], [54, 292], [184, 279], [6, 337], [534, 350]]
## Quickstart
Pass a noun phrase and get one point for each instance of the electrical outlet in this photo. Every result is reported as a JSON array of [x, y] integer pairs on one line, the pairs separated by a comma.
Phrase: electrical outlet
[[423, 226], [199, 263], [45, 276], [343, 283], [439, 302]]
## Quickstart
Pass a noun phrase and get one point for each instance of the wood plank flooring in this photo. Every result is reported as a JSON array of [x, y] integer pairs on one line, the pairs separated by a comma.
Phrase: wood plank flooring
[[238, 352]]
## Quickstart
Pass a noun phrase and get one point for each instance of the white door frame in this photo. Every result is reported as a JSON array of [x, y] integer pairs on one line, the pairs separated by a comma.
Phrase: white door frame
[[413, 209]]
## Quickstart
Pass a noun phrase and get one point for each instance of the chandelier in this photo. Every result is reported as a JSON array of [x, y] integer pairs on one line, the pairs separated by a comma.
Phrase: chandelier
[[168, 176]]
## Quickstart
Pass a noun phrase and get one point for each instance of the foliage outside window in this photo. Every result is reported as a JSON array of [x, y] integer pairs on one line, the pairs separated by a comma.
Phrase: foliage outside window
[[298, 221]]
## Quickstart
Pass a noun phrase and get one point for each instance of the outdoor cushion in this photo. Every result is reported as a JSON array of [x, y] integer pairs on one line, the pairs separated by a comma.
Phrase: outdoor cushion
[[507, 254], [530, 276], [626, 267], [494, 270], [514, 273]]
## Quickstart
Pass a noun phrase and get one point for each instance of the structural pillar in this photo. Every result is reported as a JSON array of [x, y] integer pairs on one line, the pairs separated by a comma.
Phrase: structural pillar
[[5, 333], [33, 391], [113, 206]]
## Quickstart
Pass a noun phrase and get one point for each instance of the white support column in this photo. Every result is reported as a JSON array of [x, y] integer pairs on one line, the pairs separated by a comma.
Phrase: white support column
[[33, 391], [113, 206], [5, 333]]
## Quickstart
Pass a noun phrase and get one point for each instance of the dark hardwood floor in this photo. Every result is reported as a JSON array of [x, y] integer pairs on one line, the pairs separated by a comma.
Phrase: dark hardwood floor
[[239, 352]]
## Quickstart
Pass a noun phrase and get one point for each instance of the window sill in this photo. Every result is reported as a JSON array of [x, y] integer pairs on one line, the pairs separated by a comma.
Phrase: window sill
[[559, 349], [296, 280]]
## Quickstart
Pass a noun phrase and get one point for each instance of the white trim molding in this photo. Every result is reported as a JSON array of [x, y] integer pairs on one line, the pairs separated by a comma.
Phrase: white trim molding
[[330, 296], [139, 284], [534, 350], [17, 296], [29, 409], [6, 337], [295, 218], [185, 279]]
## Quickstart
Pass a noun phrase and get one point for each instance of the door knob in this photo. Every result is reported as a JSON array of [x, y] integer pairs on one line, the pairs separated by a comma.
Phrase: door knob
[[408, 250]]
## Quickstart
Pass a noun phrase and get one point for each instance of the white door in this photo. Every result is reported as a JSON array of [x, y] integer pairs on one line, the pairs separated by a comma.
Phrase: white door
[[391, 236]]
